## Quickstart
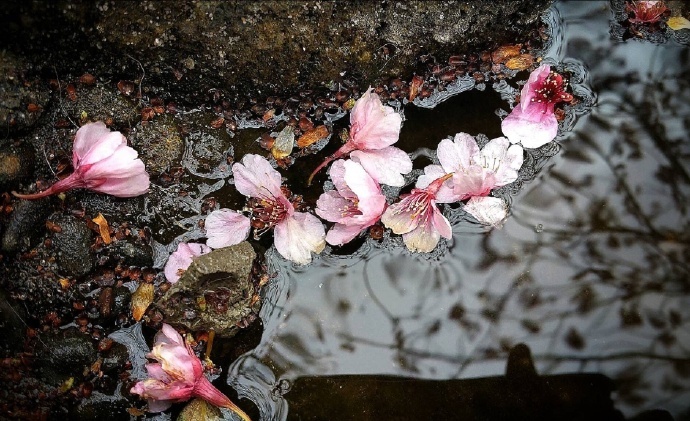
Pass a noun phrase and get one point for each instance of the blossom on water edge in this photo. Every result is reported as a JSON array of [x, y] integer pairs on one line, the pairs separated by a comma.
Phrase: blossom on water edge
[[645, 12], [102, 162], [373, 129], [296, 234], [226, 227], [181, 258], [474, 172], [533, 121], [487, 210], [355, 204], [177, 376], [418, 218]]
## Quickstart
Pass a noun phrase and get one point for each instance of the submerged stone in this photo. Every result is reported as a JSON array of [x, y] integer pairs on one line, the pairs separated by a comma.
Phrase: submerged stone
[[215, 293]]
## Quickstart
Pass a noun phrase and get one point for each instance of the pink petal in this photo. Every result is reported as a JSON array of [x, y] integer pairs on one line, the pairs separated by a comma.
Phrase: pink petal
[[373, 125], [371, 201], [168, 334], [337, 173], [474, 181], [385, 165], [298, 236], [441, 224], [182, 258], [131, 186], [400, 217], [457, 154], [96, 141], [159, 405], [255, 177], [342, 234], [225, 227], [530, 127], [537, 76], [155, 371], [330, 206], [445, 194], [502, 159], [487, 210]]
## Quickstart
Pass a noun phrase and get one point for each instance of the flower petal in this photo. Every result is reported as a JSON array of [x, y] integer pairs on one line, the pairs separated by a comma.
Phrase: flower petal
[[298, 236], [504, 160], [93, 142], [487, 210], [403, 217], [255, 177], [532, 129], [445, 193], [330, 206], [422, 239], [342, 234], [528, 91], [458, 153], [385, 165], [131, 186], [373, 125], [181, 258], [225, 227]]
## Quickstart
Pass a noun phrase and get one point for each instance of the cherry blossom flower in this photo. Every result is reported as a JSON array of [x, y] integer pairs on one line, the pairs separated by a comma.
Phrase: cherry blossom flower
[[225, 227], [355, 204], [533, 122], [418, 218], [102, 162], [475, 172], [178, 376], [296, 234], [373, 129], [645, 12], [181, 258], [487, 210]]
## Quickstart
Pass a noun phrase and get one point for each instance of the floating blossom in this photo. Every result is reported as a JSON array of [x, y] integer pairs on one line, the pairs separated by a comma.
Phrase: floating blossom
[[373, 129], [487, 210], [225, 227], [102, 162], [181, 258], [178, 376], [418, 218], [645, 12], [297, 234], [533, 122], [474, 172], [355, 204]]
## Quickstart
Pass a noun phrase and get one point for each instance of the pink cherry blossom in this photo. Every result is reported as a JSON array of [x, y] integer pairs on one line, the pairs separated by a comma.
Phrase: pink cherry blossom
[[373, 129], [178, 376], [296, 234], [487, 210], [181, 258], [533, 122], [418, 218], [225, 227], [475, 172], [355, 204], [645, 12], [102, 162]]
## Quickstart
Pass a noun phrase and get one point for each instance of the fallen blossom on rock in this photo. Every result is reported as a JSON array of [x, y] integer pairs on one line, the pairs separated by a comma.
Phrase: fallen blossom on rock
[[296, 234], [533, 121], [645, 12], [226, 227], [418, 218], [487, 210], [181, 258], [474, 172], [373, 129], [355, 204], [177, 376], [102, 162]]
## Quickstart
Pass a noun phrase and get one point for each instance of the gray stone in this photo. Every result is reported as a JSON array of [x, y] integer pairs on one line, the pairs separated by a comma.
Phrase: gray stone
[[65, 353], [73, 243], [16, 163], [28, 217]]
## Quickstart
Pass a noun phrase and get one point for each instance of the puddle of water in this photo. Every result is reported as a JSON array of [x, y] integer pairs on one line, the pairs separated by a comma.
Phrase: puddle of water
[[590, 271]]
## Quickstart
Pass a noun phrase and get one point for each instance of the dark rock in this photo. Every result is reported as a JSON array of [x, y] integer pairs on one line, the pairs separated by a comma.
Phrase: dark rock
[[16, 163], [100, 406], [115, 358], [121, 298], [73, 243], [22, 99], [159, 144], [65, 353], [12, 326], [28, 217], [216, 292], [195, 45], [139, 255], [100, 103]]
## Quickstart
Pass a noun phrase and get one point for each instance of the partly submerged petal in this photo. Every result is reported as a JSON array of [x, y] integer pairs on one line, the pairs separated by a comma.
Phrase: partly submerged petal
[[487, 210], [386, 165], [422, 239], [342, 234], [441, 224], [532, 129], [298, 236], [255, 177], [225, 227]]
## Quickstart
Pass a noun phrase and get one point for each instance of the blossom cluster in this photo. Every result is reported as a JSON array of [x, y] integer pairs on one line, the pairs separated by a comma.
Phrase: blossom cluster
[[465, 173]]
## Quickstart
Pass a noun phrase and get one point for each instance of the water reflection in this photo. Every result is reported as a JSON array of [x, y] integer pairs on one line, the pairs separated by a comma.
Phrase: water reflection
[[591, 271]]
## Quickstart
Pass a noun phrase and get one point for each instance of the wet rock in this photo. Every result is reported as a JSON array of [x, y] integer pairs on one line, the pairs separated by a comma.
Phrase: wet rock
[[12, 325], [115, 358], [139, 255], [65, 353], [27, 219], [121, 298], [194, 45], [216, 292], [101, 103], [16, 163], [159, 144], [100, 406], [22, 99], [73, 243]]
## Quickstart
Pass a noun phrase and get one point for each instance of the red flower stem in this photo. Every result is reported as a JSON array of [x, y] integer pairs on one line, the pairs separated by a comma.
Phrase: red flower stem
[[73, 181], [344, 150], [208, 392]]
